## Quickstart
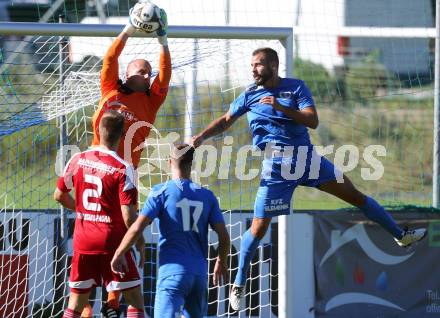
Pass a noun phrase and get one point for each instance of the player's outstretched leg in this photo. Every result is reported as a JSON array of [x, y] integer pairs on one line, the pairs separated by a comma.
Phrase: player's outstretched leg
[[249, 244], [373, 210]]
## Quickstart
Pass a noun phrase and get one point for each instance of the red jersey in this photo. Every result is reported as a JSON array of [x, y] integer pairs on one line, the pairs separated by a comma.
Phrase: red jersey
[[138, 108], [102, 182]]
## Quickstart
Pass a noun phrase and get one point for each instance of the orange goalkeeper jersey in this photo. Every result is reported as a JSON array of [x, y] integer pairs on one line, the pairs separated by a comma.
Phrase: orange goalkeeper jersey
[[138, 108]]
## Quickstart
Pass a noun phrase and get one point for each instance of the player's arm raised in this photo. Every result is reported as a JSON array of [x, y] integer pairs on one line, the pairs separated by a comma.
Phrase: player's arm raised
[[165, 57], [164, 76], [110, 66], [159, 87], [216, 127]]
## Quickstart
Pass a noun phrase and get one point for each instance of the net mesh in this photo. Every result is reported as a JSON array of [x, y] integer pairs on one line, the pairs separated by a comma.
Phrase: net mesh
[[198, 66], [368, 92]]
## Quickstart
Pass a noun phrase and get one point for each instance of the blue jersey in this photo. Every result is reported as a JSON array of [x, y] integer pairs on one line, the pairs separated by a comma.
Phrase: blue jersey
[[184, 210], [268, 124]]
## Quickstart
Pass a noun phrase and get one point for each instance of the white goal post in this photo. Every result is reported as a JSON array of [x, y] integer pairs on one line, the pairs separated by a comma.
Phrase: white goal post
[[283, 35]]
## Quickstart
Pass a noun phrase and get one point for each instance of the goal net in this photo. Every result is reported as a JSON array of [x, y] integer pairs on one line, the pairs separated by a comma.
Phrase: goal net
[[368, 90], [207, 75]]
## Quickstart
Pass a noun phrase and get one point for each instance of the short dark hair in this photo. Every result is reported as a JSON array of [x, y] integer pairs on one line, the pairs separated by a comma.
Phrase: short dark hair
[[111, 127], [270, 54], [182, 155]]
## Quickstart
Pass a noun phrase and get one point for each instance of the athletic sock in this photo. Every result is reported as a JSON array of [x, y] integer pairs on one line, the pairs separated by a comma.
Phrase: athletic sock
[[249, 245], [375, 212], [113, 299], [135, 313], [69, 313], [87, 312]]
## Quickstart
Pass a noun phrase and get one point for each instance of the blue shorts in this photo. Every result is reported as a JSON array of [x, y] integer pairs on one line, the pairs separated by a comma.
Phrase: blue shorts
[[181, 294], [281, 176]]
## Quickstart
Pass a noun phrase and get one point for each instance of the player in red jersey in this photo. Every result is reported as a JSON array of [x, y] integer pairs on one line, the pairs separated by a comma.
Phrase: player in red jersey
[[105, 204]]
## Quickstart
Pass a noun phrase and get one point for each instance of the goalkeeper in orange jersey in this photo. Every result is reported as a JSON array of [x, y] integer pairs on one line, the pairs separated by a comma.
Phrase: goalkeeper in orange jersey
[[137, 98]]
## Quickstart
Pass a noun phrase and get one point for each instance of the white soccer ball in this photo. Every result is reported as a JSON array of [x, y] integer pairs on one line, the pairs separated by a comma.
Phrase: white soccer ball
[[149, 15]]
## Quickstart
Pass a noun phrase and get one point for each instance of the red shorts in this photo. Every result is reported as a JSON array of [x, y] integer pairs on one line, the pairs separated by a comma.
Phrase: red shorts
[[90, 270]]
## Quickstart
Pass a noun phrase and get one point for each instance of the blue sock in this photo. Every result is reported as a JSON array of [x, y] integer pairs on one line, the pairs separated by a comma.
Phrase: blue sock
[[375, 212], [249, 245]]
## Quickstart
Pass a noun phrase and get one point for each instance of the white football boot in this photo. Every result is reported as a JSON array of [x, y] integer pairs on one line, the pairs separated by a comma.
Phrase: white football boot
[[411, 236], [236, 297]]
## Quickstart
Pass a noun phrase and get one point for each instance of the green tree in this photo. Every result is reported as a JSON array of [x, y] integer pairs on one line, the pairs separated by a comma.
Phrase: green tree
[[323, 85], [366, 79]]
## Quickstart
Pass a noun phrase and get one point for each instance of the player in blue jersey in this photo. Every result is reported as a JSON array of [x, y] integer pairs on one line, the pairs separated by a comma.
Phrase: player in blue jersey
[[184, 211], [279, 112]]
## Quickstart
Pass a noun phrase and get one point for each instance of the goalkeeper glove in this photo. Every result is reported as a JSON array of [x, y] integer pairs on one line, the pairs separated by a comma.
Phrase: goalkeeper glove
[[129, 29], [162, 31], [133, 19]]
